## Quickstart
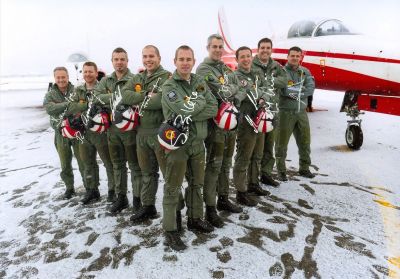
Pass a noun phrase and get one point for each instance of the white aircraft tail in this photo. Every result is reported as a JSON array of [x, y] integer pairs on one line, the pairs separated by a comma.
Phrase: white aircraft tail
[[223, 29]]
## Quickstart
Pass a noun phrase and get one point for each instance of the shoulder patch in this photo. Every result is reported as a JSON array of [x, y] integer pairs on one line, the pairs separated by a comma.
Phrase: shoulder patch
[[209, 77], [200, 88], [138, 87], [172, 96]]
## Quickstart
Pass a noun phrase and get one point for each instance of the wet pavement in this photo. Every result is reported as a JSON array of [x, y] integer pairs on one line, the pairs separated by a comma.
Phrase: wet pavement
[[336, 225]]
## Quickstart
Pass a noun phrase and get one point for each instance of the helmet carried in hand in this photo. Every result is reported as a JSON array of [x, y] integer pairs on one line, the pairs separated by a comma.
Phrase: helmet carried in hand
[[173, 133], [72, 127], [227, 116], [263, 120], [125, 117]]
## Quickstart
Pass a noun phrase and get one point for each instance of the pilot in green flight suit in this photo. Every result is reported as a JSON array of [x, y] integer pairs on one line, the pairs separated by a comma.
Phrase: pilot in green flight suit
[[122, 144], [187, 95], [293, 116], [220, 144], [56, 103]]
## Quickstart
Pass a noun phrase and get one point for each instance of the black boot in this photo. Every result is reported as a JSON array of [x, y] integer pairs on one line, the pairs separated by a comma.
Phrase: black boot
[[120, 203], [224, 203], [197, 224], [173, 240], [136, 204], [256, 189], [268, 180], [245, 199], [91, 195], [282, 176], [213, 218], [69, 193], [111, 196], [144, 213], [307, 173], [179, 221]]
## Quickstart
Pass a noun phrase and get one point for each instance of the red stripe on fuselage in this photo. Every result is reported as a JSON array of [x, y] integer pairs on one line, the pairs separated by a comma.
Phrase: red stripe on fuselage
[[331, 78], [340, 55]]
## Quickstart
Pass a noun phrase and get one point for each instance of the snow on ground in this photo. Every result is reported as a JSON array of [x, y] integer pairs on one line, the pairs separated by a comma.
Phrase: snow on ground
[[344, 223]]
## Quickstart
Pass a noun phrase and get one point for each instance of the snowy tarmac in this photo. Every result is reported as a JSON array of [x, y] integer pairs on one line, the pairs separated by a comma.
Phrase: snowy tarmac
[[344, 223]]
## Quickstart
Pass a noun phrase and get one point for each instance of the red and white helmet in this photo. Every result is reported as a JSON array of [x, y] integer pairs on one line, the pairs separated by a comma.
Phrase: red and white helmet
[[126, 118], [170, 137], [263, 121], [227, 116], [100, 122], [72, 128]]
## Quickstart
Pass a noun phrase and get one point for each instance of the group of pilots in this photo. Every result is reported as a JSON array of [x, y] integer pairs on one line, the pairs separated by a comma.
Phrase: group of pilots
[[186, 125]]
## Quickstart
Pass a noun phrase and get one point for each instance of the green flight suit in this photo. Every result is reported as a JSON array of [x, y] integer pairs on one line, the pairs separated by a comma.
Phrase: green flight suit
[[56, 104], [122, 145], [276, 79], [92, 144], [293, 117], [150, 154], [190, 158], [249, 143], [220, 144]]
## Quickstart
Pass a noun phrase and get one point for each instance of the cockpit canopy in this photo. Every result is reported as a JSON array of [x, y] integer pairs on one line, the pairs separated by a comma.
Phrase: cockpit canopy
[[77, 57], [309, 28]]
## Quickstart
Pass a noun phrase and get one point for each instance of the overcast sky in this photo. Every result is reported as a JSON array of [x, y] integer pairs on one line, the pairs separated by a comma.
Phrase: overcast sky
[[38, 35]]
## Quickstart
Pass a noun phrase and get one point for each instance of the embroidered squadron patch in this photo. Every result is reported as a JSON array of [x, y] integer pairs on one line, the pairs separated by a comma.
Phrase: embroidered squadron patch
[[209, 77], [221, 80], [243, 82], [172, 96], [200, 88], [138, 87]]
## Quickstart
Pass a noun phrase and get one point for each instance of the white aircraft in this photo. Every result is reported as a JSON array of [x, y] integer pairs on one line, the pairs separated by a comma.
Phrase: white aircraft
[[367, 70]]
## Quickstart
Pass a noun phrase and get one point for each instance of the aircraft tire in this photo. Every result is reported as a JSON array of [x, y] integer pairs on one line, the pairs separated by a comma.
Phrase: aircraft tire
[[354, 137]]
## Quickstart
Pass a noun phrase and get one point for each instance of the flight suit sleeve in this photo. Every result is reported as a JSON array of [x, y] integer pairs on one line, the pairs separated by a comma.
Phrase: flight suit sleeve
[[309, 84], [233, 86], [53, 108], [284, 92], [210, 78], [262, 89], [280, 77], [100, 91], [172, 101], [210, 108], [79, 102], [241, 93], [155, 100], [133, 92]]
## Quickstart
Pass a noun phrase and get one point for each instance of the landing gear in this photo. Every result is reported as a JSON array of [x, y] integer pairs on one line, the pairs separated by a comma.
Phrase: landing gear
[[354, 135]]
